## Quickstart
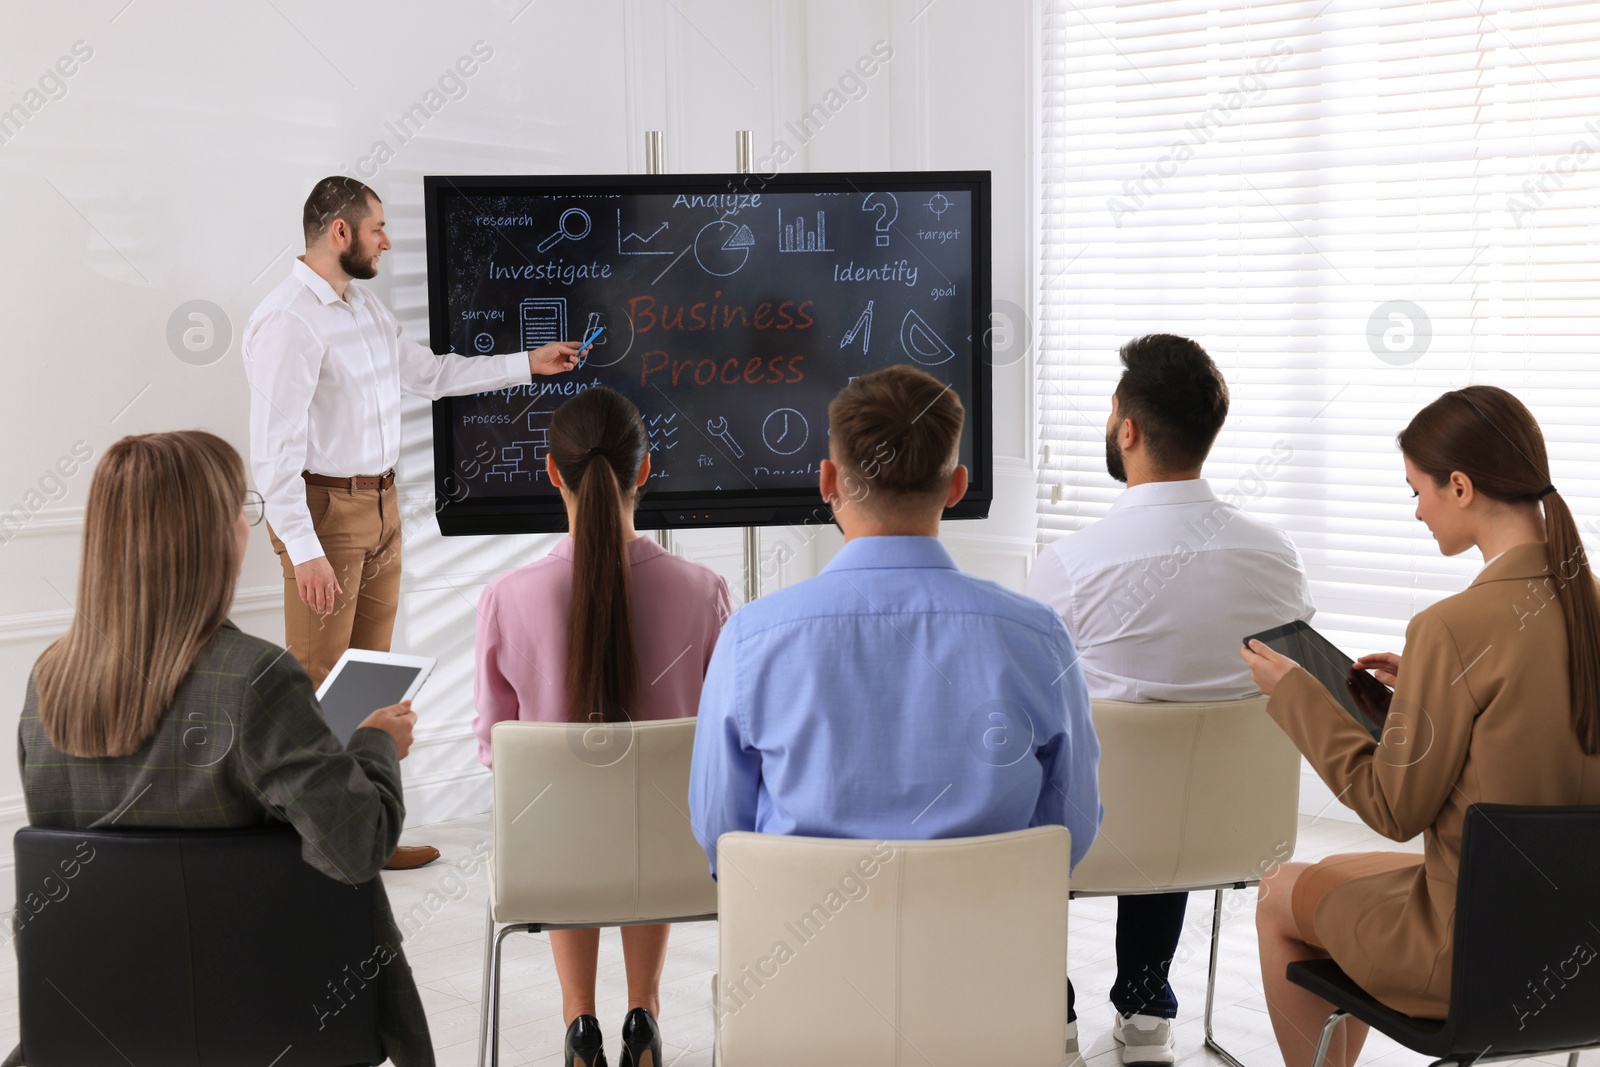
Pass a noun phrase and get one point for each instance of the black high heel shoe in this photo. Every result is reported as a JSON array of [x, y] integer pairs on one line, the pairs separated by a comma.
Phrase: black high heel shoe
[[584, 1043], [641, 1040]]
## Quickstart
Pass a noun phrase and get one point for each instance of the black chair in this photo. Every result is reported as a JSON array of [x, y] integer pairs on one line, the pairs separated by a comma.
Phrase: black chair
[[183, 948], [1526, 980]]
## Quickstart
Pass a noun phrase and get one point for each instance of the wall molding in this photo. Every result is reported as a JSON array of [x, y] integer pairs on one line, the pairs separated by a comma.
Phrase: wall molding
[[442, 797], [35, 625], [50, 522]]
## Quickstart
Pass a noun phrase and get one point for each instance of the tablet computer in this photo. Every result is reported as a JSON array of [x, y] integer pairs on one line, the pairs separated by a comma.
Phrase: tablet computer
[[364, 681], [1362, 695]]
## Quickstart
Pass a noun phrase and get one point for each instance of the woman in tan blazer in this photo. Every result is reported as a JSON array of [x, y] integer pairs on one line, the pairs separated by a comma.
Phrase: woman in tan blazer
[[1498, 703]]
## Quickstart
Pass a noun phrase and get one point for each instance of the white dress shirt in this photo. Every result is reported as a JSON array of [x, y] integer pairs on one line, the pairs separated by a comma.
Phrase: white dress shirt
[[1160, 594], [325, 381]]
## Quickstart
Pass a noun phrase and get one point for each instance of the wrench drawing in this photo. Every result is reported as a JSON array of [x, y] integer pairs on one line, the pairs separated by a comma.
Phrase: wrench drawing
[[718, 427]]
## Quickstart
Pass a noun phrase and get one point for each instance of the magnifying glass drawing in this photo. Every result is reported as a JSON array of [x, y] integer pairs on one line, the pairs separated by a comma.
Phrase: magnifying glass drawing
[[574, 225]]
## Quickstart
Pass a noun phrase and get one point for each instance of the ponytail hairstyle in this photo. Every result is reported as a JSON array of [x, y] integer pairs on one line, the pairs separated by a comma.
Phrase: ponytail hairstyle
[[1490, 436], [599, 442]]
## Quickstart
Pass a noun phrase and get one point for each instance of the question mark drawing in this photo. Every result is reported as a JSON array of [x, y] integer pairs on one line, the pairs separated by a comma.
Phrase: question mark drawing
[[888, 209]]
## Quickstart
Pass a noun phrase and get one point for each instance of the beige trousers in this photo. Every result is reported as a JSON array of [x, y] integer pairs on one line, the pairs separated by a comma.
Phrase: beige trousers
[[360, 534]]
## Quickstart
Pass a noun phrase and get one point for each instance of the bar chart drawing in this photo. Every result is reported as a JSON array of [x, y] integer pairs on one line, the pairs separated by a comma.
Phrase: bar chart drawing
[[797, 237]]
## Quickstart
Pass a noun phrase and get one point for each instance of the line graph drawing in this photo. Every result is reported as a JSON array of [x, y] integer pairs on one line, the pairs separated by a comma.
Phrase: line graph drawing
[[625, 236]]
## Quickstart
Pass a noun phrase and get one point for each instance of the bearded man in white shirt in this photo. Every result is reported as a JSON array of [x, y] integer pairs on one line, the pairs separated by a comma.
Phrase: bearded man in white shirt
[[1157, 596], [327, 363]]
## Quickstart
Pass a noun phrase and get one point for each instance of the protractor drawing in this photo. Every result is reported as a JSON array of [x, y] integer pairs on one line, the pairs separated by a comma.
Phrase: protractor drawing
[[921, 343], [717, 250]]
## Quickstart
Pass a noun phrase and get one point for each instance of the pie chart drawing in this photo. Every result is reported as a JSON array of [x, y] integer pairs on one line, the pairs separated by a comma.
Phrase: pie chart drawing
[[722, 247], [921, 343], [785, 431]]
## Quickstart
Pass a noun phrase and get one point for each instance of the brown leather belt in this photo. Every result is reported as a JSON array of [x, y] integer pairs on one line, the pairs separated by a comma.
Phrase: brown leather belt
[[360, 481]]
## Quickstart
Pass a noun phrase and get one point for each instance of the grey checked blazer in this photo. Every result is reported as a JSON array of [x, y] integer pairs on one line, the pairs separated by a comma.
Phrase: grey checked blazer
[[244, 744]]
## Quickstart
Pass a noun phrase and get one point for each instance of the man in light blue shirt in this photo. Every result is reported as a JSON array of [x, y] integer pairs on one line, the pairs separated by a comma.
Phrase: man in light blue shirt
[[893, 697]]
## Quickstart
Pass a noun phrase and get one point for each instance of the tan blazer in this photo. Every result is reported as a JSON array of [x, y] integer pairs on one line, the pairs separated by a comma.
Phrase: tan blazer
[[1480, 714]]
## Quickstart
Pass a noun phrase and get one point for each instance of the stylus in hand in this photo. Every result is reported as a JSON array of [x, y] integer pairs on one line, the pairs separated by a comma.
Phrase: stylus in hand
[[588, 342]]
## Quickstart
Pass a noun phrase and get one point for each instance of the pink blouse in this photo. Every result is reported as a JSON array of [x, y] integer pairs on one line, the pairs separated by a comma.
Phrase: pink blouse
[[678, 610]]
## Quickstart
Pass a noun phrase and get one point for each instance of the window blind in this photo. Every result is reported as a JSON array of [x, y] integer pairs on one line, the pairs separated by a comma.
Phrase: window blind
[[1354, 208]]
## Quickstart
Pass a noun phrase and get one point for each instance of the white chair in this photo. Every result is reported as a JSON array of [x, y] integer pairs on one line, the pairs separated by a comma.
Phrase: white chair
[[1201, 796], [847, 951], [591, 828]]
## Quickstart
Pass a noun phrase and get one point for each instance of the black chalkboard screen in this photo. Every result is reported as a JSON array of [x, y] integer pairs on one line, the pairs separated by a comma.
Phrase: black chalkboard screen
[[735, 307]]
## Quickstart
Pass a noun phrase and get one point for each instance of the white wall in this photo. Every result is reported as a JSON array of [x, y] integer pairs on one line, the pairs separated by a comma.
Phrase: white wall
[[172, 163]]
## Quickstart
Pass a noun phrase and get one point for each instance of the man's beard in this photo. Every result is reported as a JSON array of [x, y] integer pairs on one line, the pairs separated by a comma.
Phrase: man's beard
[[363, 266], [1114, 465]]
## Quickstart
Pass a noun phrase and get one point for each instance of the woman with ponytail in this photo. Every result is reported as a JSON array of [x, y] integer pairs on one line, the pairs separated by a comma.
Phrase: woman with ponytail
[[609, 627], [1498, 702]]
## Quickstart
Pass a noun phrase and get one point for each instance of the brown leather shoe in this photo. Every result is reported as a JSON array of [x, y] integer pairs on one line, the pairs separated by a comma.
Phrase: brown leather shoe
[[410, 857]]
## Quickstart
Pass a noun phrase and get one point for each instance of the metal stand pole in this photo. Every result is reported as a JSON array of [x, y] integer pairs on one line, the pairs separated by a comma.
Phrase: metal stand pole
[[653, 165], [744, 163], [752, 563]]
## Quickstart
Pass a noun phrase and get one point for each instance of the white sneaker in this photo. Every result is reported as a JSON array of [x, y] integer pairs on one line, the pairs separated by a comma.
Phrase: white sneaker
[[1145, 1039], [1074, 1056]]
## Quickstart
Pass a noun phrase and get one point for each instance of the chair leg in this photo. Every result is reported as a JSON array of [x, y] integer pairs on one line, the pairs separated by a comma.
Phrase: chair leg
[[1211, 983], [1572, 1060], [1327, 1037], [492, 1012], [483, 1001]]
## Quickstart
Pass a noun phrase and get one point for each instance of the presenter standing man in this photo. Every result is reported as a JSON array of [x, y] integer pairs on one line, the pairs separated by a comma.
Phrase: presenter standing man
[[327, 362]]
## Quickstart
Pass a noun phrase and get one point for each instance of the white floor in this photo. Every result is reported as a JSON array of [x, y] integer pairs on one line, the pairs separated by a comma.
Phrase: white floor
[[446, 953]]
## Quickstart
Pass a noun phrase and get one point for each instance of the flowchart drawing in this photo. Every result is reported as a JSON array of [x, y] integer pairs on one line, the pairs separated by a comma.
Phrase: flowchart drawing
[[718, 427], [544, 319], [921, 343], [888, 209], [524, 460], [794, 237], [862, 328], [519, 461], [639, 240]]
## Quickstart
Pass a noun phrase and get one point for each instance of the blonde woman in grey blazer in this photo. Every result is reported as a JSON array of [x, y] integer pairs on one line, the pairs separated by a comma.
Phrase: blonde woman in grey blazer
[[155, 711]]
